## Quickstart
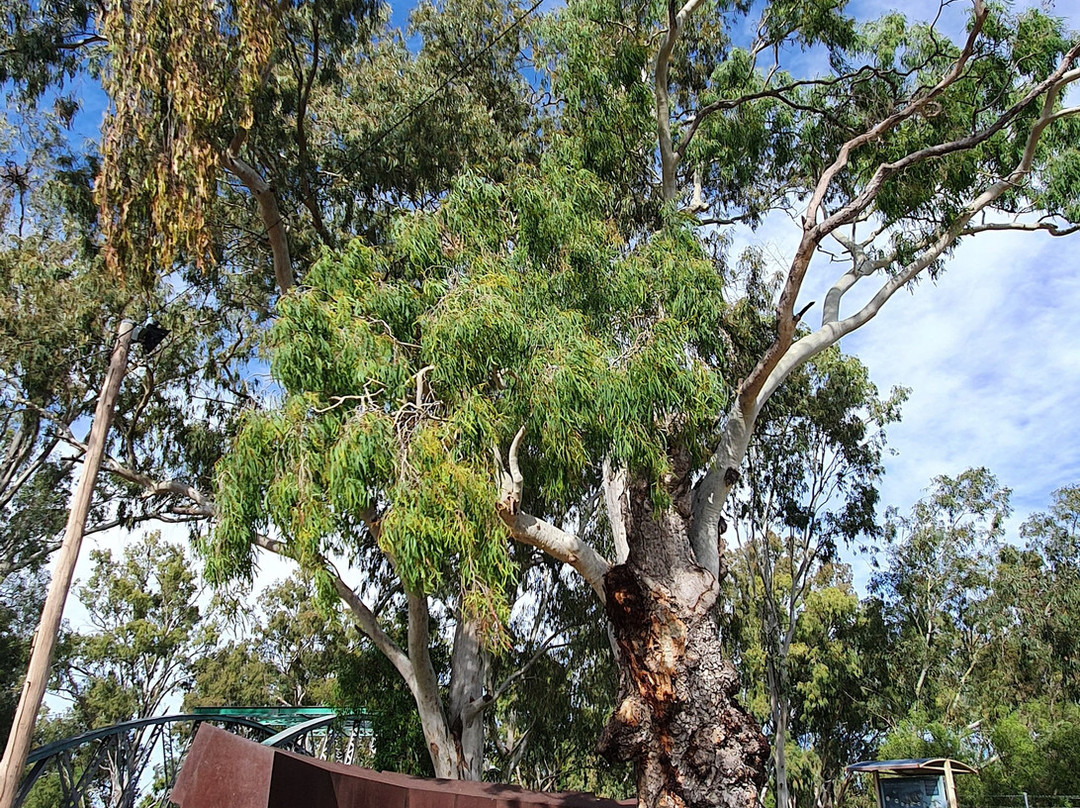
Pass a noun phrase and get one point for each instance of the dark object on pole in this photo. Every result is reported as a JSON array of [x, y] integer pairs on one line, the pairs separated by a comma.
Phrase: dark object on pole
[[41, 651], [149, 336], [223, 769]]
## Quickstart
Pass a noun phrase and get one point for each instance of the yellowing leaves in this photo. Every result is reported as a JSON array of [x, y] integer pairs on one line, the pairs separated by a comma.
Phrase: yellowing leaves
[[180, 81]]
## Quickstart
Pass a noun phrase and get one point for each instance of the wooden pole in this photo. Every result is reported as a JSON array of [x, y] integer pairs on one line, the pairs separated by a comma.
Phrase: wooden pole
[[950, 786], [44, 644]]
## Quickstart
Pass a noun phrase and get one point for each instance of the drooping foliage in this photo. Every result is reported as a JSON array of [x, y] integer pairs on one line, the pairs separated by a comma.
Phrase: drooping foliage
[[180, 79], [408, 369]]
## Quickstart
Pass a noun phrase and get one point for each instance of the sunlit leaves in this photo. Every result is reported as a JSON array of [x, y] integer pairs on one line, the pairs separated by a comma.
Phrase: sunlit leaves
[[408, 368], [180, 82]]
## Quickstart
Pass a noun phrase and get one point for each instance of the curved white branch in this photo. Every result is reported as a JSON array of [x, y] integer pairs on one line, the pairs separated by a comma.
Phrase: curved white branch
[[784, 356], [268, 210], [560, 545]]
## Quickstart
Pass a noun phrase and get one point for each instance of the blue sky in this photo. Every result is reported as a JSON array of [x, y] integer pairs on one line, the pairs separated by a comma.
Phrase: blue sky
[[988, 350]]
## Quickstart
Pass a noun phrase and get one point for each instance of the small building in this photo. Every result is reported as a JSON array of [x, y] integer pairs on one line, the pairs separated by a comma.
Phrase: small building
[[926, 783]]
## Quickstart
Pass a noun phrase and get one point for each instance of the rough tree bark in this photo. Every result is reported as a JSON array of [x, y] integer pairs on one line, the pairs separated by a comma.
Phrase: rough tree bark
[[677, 718]]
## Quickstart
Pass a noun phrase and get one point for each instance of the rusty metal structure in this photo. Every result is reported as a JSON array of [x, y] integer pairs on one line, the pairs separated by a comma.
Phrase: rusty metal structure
[[135, 762], [223, 769]]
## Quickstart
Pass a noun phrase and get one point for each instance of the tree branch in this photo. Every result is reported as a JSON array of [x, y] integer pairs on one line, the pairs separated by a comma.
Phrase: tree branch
[[478, 707], [561, 546], [615, 488], [268, 210], [785, 354], [669, 159], [542, 535]]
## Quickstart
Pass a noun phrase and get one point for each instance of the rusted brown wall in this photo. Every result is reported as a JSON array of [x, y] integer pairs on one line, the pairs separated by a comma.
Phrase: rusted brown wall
[[223, 770]]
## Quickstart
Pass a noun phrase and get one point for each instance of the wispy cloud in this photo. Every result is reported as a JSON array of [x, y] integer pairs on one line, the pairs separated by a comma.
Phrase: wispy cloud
[[991, 353]]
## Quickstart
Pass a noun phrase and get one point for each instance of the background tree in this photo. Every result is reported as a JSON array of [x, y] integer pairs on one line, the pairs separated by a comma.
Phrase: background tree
[[288, 653], [935, 587], [995, 664], [21, 597], [811, 486], [148, 634], [480, 290], [839, 664]]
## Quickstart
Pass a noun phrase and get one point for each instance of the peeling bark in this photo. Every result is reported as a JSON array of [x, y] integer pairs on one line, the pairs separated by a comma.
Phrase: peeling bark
[[678, 718]]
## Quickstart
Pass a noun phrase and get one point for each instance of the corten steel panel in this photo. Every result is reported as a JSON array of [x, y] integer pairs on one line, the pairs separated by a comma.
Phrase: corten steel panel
[[369, 792], [295, 784], [225, 771]]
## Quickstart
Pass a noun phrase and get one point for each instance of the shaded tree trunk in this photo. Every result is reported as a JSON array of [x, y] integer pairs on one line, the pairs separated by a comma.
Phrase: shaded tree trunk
[[677, 718], [468, 673], [780, 733], [455, 738]]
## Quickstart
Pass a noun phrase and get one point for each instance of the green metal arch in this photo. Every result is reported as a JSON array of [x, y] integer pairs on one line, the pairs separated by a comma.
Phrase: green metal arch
[[54, 748], [39, 758]]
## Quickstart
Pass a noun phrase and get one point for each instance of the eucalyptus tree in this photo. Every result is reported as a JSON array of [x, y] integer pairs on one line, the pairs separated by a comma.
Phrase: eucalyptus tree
[[935, 590], [289, 102], [534, 336], [572, 317], [810, 486], [146, 633], [286, 652], [1001, 683], [1032, 602], [21, 597]]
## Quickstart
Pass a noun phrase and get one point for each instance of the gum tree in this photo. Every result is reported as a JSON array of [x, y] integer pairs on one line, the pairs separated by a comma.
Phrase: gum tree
[[536, 340], [566, 331]]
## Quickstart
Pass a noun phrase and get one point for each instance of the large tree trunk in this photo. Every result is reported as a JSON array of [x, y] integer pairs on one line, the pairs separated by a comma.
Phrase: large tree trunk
[[677, 719], [468, 673]]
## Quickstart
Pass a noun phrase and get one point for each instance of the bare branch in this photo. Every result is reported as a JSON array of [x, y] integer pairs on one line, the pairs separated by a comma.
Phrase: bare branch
[[480, 705], [167, 517], [268, 210], [542, 535], [515, 468], [615, 491], [669, 160], [420, 384], [11, 487], [560, 545], [1052, 228], [152, 487]]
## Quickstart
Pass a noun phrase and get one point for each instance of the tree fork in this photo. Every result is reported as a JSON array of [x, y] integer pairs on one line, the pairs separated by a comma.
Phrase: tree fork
[[44, 644]]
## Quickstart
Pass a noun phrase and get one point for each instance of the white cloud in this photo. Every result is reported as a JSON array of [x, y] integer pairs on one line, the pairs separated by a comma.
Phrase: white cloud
[[991, 352]]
